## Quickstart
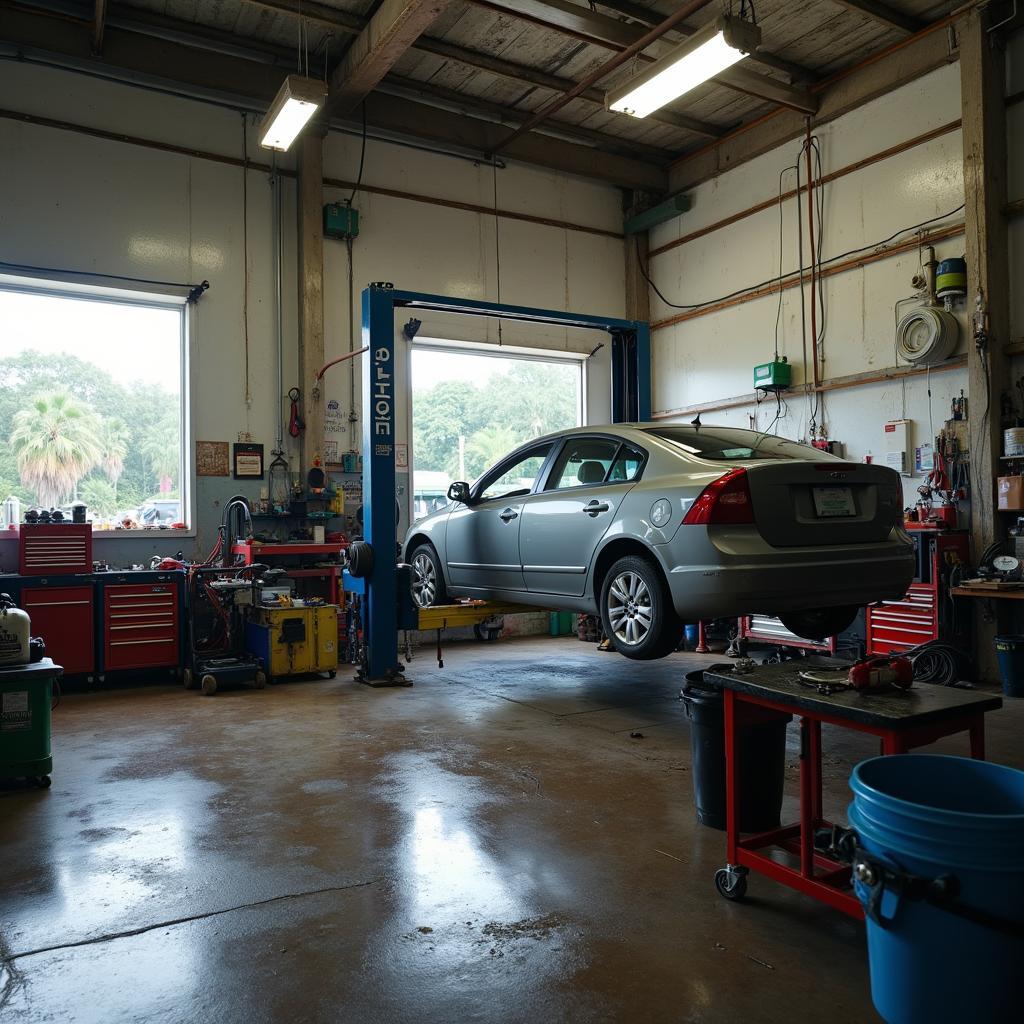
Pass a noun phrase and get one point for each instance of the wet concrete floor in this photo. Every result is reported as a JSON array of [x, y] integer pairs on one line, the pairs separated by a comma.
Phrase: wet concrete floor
[[493, 844]]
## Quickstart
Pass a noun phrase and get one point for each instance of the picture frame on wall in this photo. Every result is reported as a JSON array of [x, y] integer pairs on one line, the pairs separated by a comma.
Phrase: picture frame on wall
[[247, 461]]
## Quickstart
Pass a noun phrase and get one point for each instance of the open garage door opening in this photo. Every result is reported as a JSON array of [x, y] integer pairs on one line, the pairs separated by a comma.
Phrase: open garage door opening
[[471, 406]]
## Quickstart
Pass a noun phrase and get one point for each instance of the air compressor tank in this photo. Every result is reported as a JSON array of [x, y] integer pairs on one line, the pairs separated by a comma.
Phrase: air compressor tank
[[14, 633]]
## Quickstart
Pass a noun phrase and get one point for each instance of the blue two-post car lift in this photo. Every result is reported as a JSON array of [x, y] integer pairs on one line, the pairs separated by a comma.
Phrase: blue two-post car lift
[[387, 601]]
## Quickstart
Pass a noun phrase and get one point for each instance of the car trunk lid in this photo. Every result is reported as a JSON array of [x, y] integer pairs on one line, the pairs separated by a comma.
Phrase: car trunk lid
[[799, 503]]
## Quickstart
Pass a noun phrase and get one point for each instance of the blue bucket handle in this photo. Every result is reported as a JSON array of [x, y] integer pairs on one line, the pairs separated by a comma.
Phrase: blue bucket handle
[[874, 875]]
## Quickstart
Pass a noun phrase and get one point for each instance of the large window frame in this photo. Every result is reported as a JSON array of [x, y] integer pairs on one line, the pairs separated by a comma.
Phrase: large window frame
[[91, 289]]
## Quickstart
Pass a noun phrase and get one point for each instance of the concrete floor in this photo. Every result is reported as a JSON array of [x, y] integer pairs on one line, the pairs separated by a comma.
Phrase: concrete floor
[[490, 845]]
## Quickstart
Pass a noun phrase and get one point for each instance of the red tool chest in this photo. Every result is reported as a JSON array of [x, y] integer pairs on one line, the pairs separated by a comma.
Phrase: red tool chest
[[141, 626], [922, 614], [54, 549], [63, 617]]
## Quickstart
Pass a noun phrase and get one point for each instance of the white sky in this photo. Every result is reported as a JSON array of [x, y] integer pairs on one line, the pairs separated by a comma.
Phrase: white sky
[[132, 343], [430, 366]]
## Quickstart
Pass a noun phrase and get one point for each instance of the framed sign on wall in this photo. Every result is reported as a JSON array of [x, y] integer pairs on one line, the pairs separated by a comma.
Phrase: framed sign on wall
[[248, 461]]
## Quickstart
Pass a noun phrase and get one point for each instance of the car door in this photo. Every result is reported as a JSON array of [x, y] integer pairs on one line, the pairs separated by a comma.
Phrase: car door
[[564, 522], [482, 546]]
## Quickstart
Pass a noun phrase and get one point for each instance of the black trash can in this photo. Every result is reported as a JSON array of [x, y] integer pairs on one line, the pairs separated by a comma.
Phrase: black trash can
[[762, 760]]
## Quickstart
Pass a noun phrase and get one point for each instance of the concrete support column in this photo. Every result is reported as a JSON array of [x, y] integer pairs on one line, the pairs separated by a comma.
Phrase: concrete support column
[[982, 81], [311, 290], [638, 293]]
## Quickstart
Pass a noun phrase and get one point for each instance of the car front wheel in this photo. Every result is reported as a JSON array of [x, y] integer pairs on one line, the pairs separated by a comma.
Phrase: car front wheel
[[637, 612], [428, 588]]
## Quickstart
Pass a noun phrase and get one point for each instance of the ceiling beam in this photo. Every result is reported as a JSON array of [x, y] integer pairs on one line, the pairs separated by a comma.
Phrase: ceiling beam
[[601, 30], [173, 62], [394, 27], [350, 24], [99, 19], [887, 15], [772, 89], [649, 17]]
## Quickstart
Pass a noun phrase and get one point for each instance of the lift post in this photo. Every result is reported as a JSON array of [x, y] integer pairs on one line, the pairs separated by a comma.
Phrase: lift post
[[383, 615]]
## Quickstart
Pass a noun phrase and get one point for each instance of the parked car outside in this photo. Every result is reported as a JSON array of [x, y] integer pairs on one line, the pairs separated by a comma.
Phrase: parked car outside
[[653, 525]]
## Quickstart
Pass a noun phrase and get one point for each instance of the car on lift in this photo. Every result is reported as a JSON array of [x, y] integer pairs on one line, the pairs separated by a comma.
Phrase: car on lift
[[653, 525]]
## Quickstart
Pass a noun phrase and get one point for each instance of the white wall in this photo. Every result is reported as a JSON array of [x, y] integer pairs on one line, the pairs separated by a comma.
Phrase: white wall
[[1015, 179], [712, 357], [83, 203]]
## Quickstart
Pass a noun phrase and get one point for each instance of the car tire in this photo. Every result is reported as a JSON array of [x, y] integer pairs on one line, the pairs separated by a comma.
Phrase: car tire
[[636, 610], [819, 623], [428, 586]]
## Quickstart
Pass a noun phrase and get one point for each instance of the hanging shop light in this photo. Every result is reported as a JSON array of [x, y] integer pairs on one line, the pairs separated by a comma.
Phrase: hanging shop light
[[296, 102], [708, 52]]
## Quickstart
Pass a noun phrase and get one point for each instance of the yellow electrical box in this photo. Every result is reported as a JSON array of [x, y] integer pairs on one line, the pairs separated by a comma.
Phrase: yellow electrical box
[[291, 641]]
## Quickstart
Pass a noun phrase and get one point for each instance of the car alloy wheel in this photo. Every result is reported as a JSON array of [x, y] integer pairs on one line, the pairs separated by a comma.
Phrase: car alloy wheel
[[424, 580], [629, 608]]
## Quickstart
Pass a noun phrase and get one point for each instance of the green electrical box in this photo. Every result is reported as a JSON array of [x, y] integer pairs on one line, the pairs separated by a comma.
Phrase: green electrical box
[[340, 221], [774, 376]]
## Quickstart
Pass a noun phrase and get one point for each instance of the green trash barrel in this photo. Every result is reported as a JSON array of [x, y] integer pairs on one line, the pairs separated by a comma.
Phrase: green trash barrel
[[26, 693]]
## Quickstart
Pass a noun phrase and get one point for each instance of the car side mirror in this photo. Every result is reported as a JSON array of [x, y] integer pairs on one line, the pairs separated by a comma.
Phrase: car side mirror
[[459, 491]]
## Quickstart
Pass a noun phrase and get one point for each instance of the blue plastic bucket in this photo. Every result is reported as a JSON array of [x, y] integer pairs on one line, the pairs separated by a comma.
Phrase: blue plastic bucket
[[937, 959], [1010, 655]]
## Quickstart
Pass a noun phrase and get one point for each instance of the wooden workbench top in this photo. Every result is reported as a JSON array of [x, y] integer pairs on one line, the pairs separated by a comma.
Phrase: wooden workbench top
[[890, 709]]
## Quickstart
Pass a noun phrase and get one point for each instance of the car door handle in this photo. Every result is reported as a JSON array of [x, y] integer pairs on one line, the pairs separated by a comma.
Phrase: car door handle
[[508, 515], [596, 506]]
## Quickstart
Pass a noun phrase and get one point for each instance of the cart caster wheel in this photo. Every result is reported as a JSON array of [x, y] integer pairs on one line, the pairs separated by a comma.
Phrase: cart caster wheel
[[331, 674], [259, 681], [188, 679], [43, 781], [209, 685], [731, 883]]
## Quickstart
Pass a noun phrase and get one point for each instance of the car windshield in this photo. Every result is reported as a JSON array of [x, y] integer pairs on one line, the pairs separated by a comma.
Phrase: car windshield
[[728, 444]]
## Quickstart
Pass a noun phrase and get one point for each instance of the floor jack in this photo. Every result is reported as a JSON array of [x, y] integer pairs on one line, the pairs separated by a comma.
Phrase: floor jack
[[218, 604]]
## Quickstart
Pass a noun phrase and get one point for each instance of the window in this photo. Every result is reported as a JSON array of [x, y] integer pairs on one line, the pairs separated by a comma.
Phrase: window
[[472, 406], [584, 461], [594, 460], [728, 444], [517, 477], [91, 404]]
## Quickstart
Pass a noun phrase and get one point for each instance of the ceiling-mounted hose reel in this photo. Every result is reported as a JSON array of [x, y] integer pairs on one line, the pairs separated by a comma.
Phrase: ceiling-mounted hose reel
[[926, 335]]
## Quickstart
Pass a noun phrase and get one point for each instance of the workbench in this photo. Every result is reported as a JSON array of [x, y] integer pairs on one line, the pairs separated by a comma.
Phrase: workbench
[[901, 719]]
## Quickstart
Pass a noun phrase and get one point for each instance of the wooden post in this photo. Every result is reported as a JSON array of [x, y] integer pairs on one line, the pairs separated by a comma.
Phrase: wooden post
[[311, 291], [982, 70]]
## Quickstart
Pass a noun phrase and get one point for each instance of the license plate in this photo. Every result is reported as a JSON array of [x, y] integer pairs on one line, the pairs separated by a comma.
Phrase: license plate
[[833, 502]]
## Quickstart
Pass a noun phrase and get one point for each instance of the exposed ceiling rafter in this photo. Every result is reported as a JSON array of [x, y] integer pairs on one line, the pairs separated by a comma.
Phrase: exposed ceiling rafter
[[350, 24], [884, 13], [393, 28], [99, 23]]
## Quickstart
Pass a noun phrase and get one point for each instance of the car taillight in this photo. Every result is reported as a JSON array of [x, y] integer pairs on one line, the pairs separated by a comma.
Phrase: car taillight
[[726, 500]]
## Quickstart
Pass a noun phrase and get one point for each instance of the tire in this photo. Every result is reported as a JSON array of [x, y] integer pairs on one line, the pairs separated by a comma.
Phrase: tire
[[636, 610], [428, 586], [209, 685], [819, 623], [259, 681], [188, 679]]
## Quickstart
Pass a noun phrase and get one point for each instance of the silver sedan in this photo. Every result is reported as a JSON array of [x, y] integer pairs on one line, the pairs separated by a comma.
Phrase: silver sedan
[[653, 525]]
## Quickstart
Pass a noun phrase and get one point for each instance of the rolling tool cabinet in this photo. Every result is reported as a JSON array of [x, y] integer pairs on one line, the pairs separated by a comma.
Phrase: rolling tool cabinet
[[140, 620], [925, 612], [293, 641], [54, 548], [62, 610]]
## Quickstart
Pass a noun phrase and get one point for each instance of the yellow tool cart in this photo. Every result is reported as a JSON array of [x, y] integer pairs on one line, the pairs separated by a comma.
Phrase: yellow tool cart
[[294, 640]]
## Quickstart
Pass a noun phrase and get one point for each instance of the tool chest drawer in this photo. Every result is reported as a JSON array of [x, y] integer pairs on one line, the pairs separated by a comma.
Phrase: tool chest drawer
[[141, 626], [54, 548], [63, 617], [900, 625]]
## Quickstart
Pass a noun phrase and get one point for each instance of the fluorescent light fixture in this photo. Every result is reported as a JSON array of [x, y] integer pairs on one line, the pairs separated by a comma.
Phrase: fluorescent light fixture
[[295, 103], [707, 53]]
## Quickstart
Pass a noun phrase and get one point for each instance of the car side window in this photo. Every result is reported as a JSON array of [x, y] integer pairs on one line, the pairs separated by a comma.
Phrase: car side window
[[583, 461], [626, 465], [518, 477]]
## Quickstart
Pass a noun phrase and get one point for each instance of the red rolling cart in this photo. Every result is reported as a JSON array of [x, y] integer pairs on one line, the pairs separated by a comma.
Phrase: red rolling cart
[[900, 719]]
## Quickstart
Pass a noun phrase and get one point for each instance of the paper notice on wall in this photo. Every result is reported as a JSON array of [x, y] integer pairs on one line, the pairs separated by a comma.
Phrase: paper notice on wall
[[331, 451], [334, 419], [401, 456]]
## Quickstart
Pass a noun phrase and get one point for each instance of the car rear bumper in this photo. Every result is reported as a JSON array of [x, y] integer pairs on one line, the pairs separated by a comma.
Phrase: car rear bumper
[[782, 584]]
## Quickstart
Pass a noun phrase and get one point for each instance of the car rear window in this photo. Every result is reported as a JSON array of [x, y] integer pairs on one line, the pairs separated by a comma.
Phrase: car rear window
[[733, 444]]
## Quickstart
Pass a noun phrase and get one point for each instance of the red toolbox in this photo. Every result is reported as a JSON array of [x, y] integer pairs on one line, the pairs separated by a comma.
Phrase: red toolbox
[[141, 625], [63, 616], [63, 549]]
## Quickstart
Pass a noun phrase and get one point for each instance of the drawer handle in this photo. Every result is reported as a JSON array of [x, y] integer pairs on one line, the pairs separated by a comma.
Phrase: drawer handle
[[53, 604], [135, 615], [135, 643], [145, 625]]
